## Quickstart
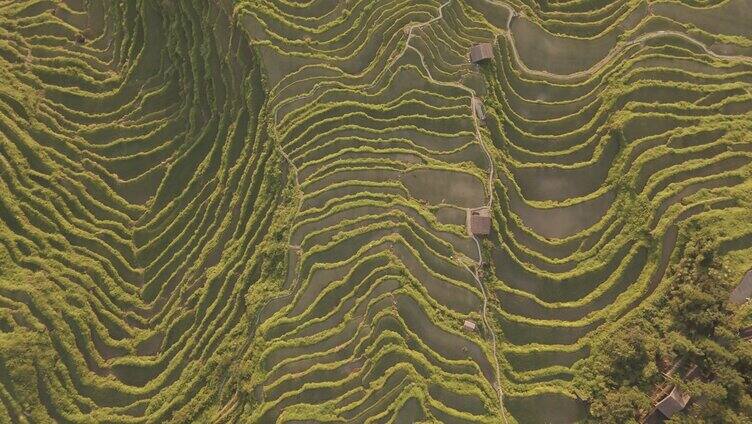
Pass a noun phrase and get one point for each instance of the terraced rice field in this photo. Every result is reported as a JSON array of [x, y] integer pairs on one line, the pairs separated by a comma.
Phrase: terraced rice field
[[255, 211]]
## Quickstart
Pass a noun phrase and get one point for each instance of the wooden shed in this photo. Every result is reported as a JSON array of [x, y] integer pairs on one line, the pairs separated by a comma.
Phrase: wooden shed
[[743, 291], [478, 110], [479, 221], [673, 402], [746, 333], [469, 325], [481, 52]]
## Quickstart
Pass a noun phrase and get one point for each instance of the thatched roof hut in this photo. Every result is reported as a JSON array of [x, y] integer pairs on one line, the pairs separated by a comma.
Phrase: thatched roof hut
[[743, 291], [478, 110], [481, 52], [673, 402], [479, 221]]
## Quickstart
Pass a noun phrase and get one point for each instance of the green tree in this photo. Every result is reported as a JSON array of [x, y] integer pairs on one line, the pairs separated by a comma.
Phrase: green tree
[[696, 323], [623, 405]]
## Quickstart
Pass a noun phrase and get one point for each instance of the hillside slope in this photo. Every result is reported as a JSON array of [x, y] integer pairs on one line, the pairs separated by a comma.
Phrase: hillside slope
[[256, 211]]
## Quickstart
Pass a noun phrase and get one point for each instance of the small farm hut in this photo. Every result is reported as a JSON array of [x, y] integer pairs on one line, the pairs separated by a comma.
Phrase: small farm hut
[[673, 402], [481, 52], [469, 325], [479, 221], [743, 291], [746, 333], [480, 113]]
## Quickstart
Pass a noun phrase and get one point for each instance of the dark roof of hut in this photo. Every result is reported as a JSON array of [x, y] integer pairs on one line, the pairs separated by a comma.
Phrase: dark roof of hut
[[481, 52], [743, 291], [479, 221], [480, 113], [673, 403]]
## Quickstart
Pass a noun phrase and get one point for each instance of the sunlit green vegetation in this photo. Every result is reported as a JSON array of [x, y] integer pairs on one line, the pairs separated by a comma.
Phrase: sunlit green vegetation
[[255, 210]]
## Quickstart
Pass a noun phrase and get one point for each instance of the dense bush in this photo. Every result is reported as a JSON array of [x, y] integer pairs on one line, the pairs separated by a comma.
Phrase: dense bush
[[692, 325]]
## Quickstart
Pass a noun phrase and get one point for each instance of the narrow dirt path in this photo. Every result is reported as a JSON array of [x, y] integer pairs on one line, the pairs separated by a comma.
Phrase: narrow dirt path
[[490, 172], [618, 48]]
